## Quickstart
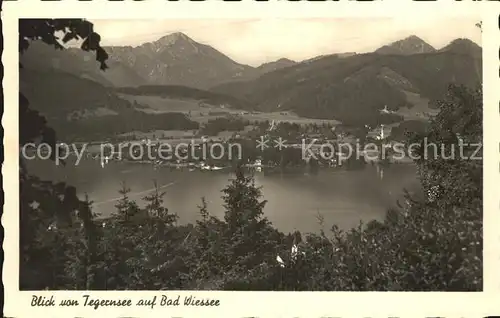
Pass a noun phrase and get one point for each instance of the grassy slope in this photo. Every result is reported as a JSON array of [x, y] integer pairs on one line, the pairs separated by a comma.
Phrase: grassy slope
[[78, 108]]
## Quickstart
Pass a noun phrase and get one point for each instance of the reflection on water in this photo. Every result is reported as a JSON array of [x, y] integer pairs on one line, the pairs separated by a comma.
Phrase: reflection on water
[[343, 197]]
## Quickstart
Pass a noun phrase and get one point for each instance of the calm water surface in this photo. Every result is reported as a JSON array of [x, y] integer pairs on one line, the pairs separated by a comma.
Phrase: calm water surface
[[294, 199]]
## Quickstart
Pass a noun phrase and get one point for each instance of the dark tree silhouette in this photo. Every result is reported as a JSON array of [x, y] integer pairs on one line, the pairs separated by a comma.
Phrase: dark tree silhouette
[[54, 32], [40, 201]]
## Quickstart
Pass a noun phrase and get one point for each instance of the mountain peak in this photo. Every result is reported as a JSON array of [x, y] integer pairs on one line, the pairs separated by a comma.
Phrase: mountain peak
[[413, 38], [173, 38], [275, 65], [463, 46], [282, 60], [407, 46], [285, 60]]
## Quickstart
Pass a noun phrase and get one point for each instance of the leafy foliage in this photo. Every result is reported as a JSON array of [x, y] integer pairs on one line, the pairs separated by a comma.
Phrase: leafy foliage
[[73, 29], [45, 30]]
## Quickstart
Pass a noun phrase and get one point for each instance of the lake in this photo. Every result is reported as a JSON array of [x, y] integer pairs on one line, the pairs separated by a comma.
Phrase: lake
[[342, 197]]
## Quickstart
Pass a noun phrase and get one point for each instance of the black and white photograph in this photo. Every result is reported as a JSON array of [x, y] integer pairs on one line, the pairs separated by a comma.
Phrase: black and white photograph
[[290, 154]]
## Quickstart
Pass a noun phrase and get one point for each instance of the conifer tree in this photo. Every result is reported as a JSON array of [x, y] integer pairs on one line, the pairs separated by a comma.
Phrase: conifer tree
[[125, 207], [84, 249], [247, 228], [155, 208], [203, 225]]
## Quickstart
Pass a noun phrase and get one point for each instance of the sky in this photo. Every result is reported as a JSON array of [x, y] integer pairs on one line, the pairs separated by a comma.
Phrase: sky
[[257, 41]]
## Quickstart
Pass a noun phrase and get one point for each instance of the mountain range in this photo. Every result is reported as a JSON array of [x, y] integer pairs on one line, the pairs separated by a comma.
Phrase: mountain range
[[174, 59], [348, 87], [355, 88]]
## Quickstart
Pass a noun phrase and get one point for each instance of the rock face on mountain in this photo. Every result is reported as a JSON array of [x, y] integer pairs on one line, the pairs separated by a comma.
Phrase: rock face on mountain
[[177, 59], [410, 45]]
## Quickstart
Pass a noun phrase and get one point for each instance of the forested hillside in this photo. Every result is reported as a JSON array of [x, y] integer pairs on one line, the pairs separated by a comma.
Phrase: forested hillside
[[355, 89]]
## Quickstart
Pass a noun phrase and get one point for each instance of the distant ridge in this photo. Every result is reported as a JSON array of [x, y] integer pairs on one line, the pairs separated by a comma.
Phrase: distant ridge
[[355, 88]]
